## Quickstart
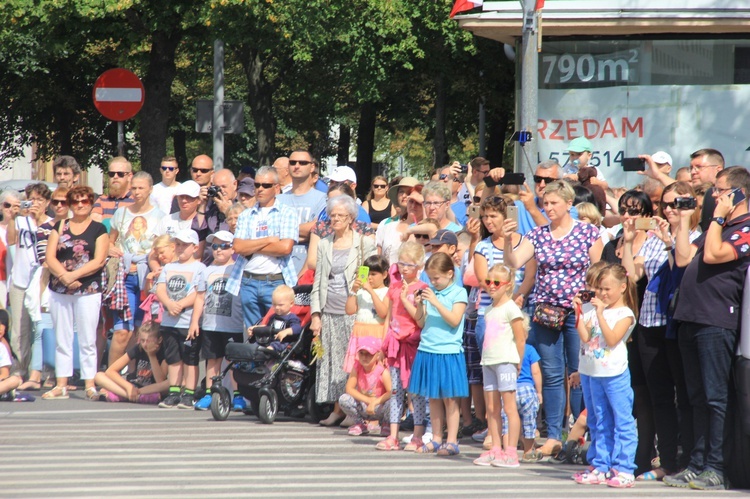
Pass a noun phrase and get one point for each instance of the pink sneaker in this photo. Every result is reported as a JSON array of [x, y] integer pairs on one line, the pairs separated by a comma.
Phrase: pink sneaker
[[113, 397], [358, 429], [149, 398], [506, 460], [487, 458]]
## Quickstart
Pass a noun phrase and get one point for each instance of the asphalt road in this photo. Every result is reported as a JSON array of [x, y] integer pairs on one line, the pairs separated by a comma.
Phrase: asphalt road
[[77, 448]]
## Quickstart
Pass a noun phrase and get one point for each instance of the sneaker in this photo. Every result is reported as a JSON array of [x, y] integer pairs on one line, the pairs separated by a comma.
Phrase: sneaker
[[479, 436], [187, 401], [149, 398], [594, 477], [475, 426], [681, 479], [621, 480], [426, 438], [506, 460], [358, 429], [708, 480], [204, 403], [171, 401], [239, 404], [487, 458]]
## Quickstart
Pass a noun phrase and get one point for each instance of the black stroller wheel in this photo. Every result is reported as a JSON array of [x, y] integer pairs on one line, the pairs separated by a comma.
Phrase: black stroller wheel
[[268, 407], [221, 404]]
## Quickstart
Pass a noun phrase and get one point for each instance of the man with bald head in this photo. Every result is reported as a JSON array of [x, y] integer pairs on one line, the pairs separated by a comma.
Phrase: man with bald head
[[120, 173], [282, 168]]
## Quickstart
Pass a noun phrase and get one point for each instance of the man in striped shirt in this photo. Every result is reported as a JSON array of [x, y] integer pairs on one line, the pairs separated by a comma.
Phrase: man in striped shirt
[[120, 173]]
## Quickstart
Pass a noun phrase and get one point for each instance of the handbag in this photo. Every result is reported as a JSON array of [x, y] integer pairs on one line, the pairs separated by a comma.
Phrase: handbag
[[550, 316]]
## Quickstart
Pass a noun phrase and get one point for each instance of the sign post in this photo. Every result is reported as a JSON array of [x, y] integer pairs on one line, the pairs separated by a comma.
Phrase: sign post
[[119, 95]]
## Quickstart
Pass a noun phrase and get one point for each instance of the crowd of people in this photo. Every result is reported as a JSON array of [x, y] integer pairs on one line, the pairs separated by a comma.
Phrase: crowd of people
[[459, 306]]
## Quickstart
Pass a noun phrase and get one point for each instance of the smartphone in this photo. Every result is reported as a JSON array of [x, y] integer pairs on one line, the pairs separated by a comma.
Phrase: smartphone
[[685, 203], [474, 211], [464, 168], [738, 196], [645, 224], [490, 182], [633, 164], [511, 212], [363, 273], [513, 179]]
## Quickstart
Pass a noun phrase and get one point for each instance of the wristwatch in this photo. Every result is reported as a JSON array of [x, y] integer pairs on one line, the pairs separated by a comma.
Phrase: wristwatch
[[719, 220]]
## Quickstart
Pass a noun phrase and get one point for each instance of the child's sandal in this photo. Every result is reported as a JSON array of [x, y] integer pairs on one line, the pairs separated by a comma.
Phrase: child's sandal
[[389, 443], [448, 449], [430, 447]]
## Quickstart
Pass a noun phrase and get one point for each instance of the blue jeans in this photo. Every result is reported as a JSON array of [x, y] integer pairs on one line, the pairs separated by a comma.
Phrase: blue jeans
[[133, 289], [479, 329], [256, 298], [590, 417], [616, 438], [707, 353], [557, 350]]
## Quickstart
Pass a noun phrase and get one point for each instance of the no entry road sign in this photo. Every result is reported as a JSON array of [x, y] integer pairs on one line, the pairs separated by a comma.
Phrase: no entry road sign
[[118, 94]]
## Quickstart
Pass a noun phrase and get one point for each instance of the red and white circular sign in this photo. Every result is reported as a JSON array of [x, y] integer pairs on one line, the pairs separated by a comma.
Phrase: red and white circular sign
[[118, 94]]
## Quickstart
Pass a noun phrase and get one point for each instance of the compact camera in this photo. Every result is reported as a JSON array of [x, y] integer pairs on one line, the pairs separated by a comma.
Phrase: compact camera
[[25, 205], [586, 295], [213, 191]]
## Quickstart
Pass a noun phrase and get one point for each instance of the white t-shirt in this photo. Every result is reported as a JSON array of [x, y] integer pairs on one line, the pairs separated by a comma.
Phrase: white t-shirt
[[499, 345], [136, 231], [596, 358], [169, 225], [181, 280], [25, 256], [366, 313], [388, 239], [222, 310], [161, 196], [5, 360], [263, 264]]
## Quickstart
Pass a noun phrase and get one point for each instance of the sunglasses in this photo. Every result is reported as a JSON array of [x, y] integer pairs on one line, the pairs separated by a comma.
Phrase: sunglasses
[[7, 205], [117, 174], [59, 202], [223, 246], [421, 236], [443, 176], [379, 186], [630, 211], [168, 168], [202, 170], [497, 284], [84, 201], [477, 199], [264, 185], [293, 162], [538, 179]]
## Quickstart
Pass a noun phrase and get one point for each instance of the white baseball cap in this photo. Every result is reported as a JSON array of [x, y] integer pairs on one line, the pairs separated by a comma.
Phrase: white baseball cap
[[189, 188], [188, 236], [343, 174], [222, 235], [662, 158]]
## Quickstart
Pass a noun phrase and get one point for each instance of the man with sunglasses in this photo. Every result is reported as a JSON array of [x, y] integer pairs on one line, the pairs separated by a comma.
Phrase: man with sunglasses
[[120, 173], [305, 200], [264, 239], [479, 167], [164, 191]]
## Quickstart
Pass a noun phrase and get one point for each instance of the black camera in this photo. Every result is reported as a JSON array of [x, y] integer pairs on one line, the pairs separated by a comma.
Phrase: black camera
[[464, 168], [213, 191], [586, 295], [687, 203]]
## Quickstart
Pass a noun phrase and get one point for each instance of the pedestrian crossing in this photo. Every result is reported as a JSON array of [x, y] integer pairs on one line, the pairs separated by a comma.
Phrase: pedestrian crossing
[[118, 450]]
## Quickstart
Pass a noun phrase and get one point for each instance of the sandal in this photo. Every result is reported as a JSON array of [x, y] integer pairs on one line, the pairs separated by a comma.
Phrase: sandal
[[390, 443], [413, 445], [57, 393], [91, 393], [533, 456], [654, 475], [430, 447], [30, 386], [448, 449]]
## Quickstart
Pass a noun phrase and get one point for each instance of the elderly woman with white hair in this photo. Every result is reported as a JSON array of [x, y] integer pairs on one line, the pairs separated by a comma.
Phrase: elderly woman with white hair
[[339, 257], [437, 204]]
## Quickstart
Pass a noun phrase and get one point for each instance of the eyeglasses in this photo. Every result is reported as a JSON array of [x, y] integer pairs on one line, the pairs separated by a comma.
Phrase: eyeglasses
[[538, 179], [117, 174], [265, 185], [630, 211], [59, 202], [168, 168], [293, 162], [407, 265], [433, 204], [379, 186], [84, 201], [701, 167], [422, 236], [721, 192], [223, 246], [497, 284], [202, 170], [483, 172]]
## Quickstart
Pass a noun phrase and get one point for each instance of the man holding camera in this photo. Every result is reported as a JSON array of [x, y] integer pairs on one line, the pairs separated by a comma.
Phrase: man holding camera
[[477, 170]]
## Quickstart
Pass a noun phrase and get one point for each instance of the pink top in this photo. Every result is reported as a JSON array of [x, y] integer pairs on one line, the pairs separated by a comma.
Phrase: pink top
[[402, 339], [370, 383]]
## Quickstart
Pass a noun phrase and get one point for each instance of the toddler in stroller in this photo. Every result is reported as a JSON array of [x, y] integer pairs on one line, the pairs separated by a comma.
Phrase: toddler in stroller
[[272, 369]]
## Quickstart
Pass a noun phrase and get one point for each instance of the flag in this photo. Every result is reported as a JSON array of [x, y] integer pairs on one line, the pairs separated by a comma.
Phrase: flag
[[464, 5], [539, 4]]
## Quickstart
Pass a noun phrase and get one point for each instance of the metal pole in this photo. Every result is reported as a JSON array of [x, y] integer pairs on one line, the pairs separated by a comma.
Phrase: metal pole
[[121, 138], [217, 127], [529, 84], [482, 130]]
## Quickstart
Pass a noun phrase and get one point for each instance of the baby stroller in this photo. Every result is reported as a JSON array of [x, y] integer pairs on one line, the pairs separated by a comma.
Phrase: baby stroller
[[272, 381]]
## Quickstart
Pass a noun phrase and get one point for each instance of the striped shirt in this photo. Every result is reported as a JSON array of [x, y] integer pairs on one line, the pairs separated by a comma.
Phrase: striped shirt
[[107, 206]]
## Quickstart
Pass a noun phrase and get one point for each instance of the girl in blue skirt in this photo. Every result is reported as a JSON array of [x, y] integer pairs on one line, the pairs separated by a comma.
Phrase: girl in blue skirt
[[439, 370]]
